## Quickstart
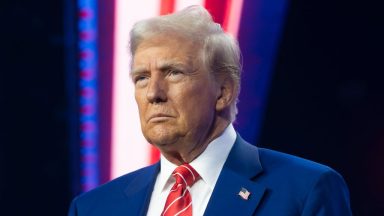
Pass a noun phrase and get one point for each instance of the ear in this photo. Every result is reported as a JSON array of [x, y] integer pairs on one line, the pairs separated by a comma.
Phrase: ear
[[226, 94]]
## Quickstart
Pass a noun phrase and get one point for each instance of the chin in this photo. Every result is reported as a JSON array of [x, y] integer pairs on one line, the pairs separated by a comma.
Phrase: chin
[[163, 140], [160, 138]]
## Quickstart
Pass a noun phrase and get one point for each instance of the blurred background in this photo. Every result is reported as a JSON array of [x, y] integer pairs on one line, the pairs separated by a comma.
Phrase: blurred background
[[312, 86]]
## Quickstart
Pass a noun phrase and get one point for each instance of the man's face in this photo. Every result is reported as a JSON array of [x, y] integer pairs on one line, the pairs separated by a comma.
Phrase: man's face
[[175, 94]]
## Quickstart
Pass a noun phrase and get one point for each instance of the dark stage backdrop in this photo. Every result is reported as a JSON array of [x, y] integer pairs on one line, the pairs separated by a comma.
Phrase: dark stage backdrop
[[34, 151], [325, 102]]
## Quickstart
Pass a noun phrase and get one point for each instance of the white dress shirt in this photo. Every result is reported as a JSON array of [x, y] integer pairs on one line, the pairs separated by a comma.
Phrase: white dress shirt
[[208, 164]]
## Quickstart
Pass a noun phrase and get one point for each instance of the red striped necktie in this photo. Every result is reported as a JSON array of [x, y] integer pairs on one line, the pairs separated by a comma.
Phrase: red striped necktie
[[179, 201]]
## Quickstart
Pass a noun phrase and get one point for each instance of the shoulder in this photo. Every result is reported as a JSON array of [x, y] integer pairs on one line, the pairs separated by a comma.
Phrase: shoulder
[[113, 190], [274, 164], [293, 170], [310, 186], [118, 184], [282, 162]]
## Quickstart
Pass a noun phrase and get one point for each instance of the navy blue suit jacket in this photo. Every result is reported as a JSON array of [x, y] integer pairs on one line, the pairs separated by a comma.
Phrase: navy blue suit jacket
[[279, 184]]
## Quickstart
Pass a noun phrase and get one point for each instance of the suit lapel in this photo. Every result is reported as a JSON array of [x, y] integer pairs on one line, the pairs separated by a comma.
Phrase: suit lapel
[[140, 189], [241, 167]]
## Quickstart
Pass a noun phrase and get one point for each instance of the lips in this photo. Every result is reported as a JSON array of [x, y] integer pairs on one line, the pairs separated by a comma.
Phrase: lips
[[158, 117]]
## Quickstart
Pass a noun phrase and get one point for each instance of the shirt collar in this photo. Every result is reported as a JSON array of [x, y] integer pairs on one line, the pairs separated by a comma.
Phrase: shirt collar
[[208, 164]]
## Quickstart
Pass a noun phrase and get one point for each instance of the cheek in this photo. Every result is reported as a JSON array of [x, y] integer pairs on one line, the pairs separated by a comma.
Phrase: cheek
[[140, 95], [197, 103], [140, 101]]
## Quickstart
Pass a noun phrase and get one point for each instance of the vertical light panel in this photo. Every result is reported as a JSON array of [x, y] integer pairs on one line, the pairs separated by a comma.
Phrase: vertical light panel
[[181, 4], [129, 149], [233, 17], [259, 34], [88, 94]]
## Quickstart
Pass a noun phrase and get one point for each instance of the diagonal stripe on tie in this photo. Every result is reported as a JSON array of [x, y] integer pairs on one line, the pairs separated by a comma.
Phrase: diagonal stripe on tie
[[179, 201]]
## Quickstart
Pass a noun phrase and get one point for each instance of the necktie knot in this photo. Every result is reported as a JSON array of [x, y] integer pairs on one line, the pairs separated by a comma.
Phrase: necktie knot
[[186, 175]]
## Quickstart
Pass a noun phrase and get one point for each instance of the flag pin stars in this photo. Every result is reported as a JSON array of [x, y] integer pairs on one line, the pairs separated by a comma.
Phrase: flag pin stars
[[244, 193]]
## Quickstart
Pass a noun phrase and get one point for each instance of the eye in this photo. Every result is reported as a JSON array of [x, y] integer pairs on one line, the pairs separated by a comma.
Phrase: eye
[[140, 80], [174, 72]]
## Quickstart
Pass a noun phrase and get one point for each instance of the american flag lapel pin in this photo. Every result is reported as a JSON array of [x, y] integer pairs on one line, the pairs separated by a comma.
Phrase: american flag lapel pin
[[244, 193]]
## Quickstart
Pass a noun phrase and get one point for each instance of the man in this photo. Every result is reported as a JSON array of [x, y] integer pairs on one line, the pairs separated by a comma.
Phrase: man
[[186, 73]]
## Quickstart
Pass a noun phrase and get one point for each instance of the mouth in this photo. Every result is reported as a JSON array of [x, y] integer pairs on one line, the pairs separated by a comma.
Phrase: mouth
[[159, 117]]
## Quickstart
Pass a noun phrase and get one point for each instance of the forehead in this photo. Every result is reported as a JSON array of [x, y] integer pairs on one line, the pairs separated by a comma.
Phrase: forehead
[[166, 48]]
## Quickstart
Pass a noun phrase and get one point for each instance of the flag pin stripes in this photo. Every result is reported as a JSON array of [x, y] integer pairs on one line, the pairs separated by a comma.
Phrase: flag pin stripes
[[244, 193]]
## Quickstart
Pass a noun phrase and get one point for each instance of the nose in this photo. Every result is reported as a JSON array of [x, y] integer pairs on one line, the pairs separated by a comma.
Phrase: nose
[[156, 92]]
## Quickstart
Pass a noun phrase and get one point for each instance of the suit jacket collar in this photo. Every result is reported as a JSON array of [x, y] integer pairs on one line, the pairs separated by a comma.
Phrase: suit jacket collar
[[139, 190], [244, 159], [241, 167]]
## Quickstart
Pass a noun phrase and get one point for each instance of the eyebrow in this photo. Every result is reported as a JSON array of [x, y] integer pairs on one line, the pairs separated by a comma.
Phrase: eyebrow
[[163, 66], [138, 70]]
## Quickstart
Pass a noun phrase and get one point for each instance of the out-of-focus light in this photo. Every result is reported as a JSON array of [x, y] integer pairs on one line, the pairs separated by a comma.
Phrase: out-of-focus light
[[181, 4], [87, 48], [129, 148], [233, 17]]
